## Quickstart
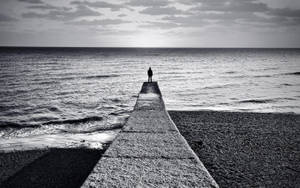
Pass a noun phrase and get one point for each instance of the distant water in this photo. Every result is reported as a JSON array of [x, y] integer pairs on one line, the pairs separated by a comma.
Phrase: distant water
[[79, 97]]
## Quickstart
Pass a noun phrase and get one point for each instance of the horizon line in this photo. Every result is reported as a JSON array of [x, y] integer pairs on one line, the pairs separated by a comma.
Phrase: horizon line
[[134, 47]]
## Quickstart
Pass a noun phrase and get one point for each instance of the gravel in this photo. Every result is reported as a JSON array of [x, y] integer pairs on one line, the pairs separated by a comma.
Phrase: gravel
[[244, 149]]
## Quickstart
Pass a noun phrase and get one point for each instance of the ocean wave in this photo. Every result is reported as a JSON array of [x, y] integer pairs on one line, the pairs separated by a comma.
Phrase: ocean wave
[[284, 99], [9, 124], [75, 121], [68, 78], [237, 76], [230, 72], [273, 75], [53, 109], [264, 69], [101, 76], [286, 84], [118, 112], [220, 86], [122, 105], [263, 76], [95, 129], [223, 103], [257, 101], [41, 119], [48, 82], [181, 73], [291, 73], [116, 100], [270, 68]]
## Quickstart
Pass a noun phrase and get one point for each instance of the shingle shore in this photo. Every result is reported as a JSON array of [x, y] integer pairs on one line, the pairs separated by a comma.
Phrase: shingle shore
[[243, 149]]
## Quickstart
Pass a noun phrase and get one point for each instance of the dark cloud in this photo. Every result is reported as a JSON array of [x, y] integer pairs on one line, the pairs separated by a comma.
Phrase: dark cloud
[[251, 6], [5, 18], [99, 4], [234, 12], [32, 1], [64, 14], [230, 6], [285, 12], [41, 5], [161, 11], [47, 7]]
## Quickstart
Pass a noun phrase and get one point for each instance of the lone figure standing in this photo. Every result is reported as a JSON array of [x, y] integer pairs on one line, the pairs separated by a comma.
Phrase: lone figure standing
[[150, 74]]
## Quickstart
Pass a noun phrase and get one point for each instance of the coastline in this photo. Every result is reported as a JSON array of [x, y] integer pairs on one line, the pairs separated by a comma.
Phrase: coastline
[[244, 149], [239, 149]]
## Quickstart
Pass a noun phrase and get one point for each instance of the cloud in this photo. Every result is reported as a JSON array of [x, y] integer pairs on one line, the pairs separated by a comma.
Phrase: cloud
[[64, 14], [160, 25], [230, 6], [148, 3], [192, 19], [155, 7], [100, 22], [32, 1], [99, 4], [285, 12], [234, 12], [161, 11], [41, 5], [5, 18], [47, 7], [186, 21], [122, 15]]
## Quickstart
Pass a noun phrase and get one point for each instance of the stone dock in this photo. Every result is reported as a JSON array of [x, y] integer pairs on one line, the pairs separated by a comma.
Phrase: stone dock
[[149, 151]]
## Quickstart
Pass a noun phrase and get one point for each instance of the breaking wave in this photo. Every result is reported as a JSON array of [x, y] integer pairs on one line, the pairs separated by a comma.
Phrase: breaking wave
[[9, 124], [75, 121], [94, 129]]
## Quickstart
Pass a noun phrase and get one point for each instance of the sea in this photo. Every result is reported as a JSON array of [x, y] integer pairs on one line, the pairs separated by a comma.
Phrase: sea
[[81, 97]]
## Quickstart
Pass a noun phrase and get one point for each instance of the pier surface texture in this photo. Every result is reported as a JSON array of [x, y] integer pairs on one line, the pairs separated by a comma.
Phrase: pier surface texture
[[149, 151]]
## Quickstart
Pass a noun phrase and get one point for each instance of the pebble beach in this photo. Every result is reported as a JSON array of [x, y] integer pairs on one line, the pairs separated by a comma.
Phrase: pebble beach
[[244, 149]]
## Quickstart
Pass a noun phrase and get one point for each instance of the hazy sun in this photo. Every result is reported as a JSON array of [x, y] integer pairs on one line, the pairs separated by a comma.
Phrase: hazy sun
[[149, 40]]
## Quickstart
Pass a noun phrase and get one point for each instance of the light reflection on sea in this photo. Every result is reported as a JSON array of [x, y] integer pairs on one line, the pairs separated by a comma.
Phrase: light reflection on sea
[[82, 95]]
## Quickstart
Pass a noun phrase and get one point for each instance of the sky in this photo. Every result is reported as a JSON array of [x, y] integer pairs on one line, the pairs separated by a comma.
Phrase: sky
[[150, 23]]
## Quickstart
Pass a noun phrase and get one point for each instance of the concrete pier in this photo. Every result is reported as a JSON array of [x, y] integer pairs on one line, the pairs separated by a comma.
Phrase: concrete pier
[[149, 151]]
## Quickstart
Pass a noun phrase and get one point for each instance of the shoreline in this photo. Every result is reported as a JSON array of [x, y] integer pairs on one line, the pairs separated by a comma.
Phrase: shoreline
[[239, 149], [232, 111], [244, 149]]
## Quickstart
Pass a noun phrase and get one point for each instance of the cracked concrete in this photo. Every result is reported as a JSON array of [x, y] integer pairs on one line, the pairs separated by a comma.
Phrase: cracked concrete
[[150, 151]]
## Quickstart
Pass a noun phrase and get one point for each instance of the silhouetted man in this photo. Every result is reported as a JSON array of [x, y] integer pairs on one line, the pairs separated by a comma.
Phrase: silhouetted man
[[150, 74]]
